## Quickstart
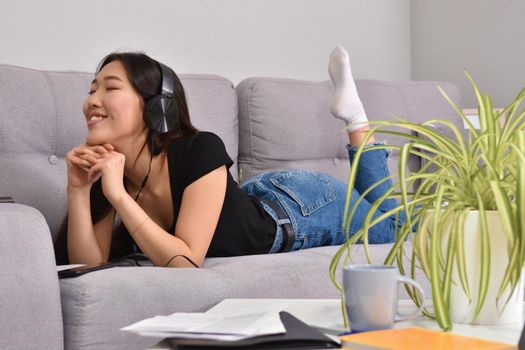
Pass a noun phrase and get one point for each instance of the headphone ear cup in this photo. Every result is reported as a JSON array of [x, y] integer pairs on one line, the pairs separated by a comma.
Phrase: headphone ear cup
[[161, 113]]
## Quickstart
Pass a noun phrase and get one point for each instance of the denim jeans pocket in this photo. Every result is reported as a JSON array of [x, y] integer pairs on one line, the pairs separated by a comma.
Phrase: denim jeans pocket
[[310, 190]]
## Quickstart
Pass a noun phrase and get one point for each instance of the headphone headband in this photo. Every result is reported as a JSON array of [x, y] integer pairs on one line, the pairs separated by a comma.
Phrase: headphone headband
[[167, 80]]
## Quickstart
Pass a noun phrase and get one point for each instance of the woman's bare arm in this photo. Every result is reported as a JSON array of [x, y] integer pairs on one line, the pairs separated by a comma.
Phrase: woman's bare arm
[[87, 243]]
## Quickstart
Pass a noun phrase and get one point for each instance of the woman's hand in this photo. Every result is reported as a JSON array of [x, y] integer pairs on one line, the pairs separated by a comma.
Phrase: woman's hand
[[80, 160], [109, 166]]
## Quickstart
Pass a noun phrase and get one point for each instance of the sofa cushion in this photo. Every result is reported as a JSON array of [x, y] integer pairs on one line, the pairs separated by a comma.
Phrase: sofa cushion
[[287, 124], [41, 120], [212, 102], [98, 304]]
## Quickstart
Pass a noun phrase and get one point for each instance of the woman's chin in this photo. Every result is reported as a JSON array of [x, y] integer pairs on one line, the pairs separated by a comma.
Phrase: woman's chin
[[94, 140]]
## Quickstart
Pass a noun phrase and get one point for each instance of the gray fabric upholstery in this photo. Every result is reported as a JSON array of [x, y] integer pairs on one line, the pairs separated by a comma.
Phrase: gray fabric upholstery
[[98, 304], [416, 101], [281, 124], [286, 124], [30, 312], [276, 114], [40, 121], [212, 102], [106, 296]]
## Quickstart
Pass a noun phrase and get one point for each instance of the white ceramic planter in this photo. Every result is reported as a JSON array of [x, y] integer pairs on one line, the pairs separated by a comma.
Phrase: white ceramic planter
[[492, 313]]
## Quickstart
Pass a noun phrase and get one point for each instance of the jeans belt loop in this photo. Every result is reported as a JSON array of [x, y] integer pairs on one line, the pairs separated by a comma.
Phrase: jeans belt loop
[[288, 232]]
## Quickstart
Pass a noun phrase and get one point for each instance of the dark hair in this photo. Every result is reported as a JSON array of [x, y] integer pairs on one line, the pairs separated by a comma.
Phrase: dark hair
[[144, 74]]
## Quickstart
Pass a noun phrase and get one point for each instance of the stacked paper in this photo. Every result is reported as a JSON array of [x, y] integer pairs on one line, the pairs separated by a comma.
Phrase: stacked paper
[[230, 326]]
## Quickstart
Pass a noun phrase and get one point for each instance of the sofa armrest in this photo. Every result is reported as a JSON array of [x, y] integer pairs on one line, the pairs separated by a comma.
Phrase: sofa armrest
[[30, 310]]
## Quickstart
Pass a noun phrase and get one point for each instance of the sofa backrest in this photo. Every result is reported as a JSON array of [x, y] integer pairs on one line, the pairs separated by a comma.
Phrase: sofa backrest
[[286, 124], [41, 120], [267, 123]]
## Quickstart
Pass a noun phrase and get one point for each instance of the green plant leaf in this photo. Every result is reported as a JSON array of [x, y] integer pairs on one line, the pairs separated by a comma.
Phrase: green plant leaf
[[343, 311], [412, 292], [519, 149], [493, 127], [451, 252], [485, 260], [440, 306], [520, 97], [460, 252], [506, 215], [508, 113], [421, 244], [515, 265], [509, 271], [458, 135], [406, 230], [481, 105], [333, 266], [403, 160], [458, 110], [514, 123]]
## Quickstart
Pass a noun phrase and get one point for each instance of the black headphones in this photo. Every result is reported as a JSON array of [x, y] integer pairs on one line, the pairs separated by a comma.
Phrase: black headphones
[[161, 112]]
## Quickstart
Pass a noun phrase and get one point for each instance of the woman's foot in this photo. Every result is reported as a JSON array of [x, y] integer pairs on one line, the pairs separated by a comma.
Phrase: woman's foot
[[346, 104]]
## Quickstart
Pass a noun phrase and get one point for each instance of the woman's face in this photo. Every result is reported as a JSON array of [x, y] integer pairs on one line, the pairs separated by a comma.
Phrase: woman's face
[[113, 109]]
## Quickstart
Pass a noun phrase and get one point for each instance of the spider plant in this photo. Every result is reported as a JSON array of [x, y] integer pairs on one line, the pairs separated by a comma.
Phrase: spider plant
[[484, 171]]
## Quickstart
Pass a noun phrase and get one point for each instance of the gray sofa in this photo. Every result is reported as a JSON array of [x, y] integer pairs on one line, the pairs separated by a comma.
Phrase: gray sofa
[[265, 123]]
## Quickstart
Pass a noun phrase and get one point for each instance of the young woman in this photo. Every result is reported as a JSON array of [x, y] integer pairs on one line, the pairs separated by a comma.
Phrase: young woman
[[169, 192]]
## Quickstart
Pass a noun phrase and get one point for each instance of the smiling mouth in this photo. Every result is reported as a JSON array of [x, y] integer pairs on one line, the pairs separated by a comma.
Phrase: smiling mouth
[[93, 119], [96, 117]]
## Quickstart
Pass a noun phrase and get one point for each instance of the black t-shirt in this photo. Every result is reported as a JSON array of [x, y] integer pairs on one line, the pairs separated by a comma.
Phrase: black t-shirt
[[244, 227]]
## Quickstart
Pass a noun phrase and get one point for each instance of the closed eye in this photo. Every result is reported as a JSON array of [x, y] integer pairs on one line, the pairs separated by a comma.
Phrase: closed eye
[[91, 92]]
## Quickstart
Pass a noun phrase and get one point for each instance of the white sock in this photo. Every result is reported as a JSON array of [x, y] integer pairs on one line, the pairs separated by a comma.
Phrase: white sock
[[346, 104]]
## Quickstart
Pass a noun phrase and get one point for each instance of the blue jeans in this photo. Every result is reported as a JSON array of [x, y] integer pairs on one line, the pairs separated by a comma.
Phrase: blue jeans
[[314, 202]]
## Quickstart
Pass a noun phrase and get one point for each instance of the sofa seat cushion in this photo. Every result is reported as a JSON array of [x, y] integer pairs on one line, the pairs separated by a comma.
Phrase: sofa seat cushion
[[98, 304]]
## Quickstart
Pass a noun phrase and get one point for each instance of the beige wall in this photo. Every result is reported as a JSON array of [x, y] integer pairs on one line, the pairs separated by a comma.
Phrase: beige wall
[[233, 38], [485, 37]]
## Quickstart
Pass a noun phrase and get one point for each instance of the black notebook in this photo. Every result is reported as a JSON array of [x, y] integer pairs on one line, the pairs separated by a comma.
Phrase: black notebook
[[135, 259], [298, 336]]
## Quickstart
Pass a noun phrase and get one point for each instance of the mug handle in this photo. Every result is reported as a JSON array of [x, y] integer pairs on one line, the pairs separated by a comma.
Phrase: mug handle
[[403, 279]]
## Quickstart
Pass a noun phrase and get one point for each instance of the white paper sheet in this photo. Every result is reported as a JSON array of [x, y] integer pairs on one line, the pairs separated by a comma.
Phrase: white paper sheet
[[216, 324], [65, 267]]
